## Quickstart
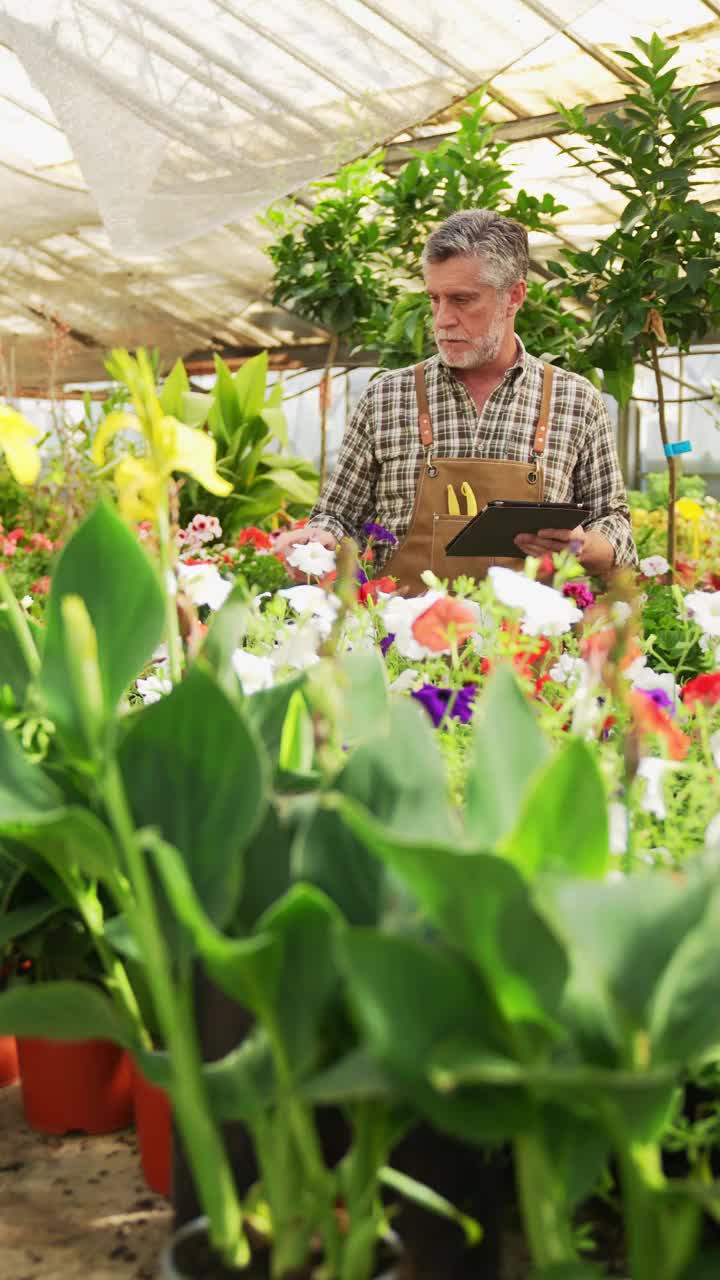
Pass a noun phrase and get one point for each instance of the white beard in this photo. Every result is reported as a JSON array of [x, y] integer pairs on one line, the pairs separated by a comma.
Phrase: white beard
[[479, 351]]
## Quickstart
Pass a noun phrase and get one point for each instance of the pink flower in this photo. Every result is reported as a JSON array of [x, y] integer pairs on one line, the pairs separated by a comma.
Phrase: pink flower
[[580, 593], [40, 542]]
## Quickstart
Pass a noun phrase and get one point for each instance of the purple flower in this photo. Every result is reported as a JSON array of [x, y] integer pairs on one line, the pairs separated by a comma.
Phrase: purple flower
[[361, 576], [378, 533], [437, 701], [386, 642], [660, 698], [580, 593]]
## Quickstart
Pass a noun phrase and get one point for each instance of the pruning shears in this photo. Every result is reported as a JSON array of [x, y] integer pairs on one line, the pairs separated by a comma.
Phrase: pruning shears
[[468, 495]]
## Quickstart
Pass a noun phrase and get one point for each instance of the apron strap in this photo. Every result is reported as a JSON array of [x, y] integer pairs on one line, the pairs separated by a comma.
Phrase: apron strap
[[424, 422], [544, 420]]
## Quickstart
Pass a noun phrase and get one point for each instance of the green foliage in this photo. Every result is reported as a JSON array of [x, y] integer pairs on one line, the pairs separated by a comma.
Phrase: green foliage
[[353, 264], [655, 495], [250, 432], [655, 274]]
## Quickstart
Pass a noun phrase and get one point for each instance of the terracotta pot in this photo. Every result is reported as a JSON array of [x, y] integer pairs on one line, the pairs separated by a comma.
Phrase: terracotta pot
[[9, 1068], [75, 1085], [153, 1120]]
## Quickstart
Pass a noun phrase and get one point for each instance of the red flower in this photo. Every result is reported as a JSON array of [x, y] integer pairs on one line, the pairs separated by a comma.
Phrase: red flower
[[40, 542], [445, 619], [649, 718], [16, 535], [704, 689], [686, 571], [369, 590], [41, 586], [259, 539]]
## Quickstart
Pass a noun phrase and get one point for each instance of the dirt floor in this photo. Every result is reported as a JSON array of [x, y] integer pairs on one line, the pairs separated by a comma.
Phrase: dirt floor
[[74, 1208]]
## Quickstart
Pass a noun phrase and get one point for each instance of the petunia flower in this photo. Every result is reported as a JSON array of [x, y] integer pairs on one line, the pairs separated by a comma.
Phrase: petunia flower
[[650, 718], [378, 532], [153, 688], [441, 704], [545, 610], [704, 689], [445, 622], [371, 588], [204, 584], [704, 609], [660, 698], [654, 566], [653, 772], [17, 437], [252, 671], [398, 615], [312, 558], [580, 593]]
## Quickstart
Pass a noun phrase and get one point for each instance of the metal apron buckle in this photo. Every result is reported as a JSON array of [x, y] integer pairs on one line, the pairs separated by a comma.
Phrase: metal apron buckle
[[533, 474], [430, 465]]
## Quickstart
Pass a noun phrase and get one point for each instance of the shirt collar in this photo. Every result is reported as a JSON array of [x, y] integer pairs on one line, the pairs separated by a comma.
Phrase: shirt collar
[[512, 376]]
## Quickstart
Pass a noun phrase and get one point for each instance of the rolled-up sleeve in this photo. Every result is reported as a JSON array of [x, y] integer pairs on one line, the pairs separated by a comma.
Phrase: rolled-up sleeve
[[600, 486], [347, 500]]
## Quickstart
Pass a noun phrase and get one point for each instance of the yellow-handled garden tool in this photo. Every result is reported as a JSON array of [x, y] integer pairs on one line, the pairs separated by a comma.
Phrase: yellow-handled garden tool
[[468, 495]]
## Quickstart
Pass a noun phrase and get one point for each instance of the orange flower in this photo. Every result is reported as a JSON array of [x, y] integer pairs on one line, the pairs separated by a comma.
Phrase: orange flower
[[649, 718], [446, 620], [370, 589]]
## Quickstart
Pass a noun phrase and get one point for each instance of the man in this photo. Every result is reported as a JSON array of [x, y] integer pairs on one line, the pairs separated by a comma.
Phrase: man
[[482, 419]]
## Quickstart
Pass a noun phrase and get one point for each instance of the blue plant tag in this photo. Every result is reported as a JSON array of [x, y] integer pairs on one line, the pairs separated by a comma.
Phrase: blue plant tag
[[677, 446]]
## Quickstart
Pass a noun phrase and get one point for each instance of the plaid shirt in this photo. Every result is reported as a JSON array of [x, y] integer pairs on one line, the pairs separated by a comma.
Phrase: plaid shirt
[[381, 455]]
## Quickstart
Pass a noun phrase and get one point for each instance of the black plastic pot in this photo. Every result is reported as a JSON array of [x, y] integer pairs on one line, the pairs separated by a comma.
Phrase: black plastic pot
[[188, 1257]]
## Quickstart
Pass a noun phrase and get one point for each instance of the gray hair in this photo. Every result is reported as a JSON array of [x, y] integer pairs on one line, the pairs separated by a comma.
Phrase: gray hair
[[499, 244]]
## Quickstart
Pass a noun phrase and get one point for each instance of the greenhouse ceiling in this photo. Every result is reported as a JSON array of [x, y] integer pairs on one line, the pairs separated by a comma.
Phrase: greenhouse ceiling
[[140, 140]]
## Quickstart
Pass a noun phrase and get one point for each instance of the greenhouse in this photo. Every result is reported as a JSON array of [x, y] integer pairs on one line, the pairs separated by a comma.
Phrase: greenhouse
[[360, 640]]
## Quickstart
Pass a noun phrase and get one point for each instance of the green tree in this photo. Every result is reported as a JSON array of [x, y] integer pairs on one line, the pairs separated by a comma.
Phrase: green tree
[[653, 281]]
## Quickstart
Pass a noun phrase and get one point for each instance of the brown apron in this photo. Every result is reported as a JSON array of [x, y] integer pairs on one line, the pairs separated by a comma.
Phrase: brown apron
[[431, 528]]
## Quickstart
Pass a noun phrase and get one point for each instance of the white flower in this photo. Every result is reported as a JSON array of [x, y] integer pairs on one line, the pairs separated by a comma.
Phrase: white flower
[[710, 646], [653, 770], [27, 602], [618, 827], [654, 566], [152, 689], [296, 645], [315, 603], [704, 608], [643, 677], [620, 612], [312, 558], [546, 611], [252, 671], [430, 579], [398, 615], [568, 670], [712, 833], [405, 680], [204, 584]]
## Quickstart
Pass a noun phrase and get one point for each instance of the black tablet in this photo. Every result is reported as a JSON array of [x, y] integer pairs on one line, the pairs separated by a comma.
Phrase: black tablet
[[493, 530]]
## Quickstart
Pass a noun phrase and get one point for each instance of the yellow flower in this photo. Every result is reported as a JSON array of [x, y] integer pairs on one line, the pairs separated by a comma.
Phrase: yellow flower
[[16, 437], [689, 509], [172, 446]]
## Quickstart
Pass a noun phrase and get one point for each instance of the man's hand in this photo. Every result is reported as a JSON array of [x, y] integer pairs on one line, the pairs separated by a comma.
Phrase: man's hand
[[284, 543], [592, 550]]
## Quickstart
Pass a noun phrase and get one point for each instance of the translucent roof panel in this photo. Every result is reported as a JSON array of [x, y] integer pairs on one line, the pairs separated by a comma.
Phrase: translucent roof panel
[[140, 140]]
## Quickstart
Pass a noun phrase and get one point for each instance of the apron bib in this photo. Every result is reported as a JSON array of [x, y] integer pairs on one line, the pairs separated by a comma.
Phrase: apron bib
[[431, 527]]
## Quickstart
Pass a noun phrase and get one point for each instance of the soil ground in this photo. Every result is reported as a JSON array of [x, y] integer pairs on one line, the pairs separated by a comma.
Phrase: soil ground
[[74, 1208]]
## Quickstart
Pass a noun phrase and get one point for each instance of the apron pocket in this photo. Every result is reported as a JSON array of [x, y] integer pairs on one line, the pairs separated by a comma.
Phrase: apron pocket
[[445, 528]]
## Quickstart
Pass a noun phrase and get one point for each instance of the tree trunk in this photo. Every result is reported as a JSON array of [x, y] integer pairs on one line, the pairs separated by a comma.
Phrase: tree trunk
[[671, 461]]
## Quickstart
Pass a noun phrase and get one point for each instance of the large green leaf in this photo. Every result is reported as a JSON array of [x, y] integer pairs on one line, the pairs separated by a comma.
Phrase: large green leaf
[[61, 1011], [621, 936], [26, 792], [294, 486], [174, 388], [409, 997], [195, 408], [267, 711], [267, 870], [104, 564], [685, 1012], [483, 907], [275, 421], [563, 822], [250, 382], [13, 668], [225, 418], [508, 747], [305, 923], [70, 840], [364, 703], [196, 770]]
